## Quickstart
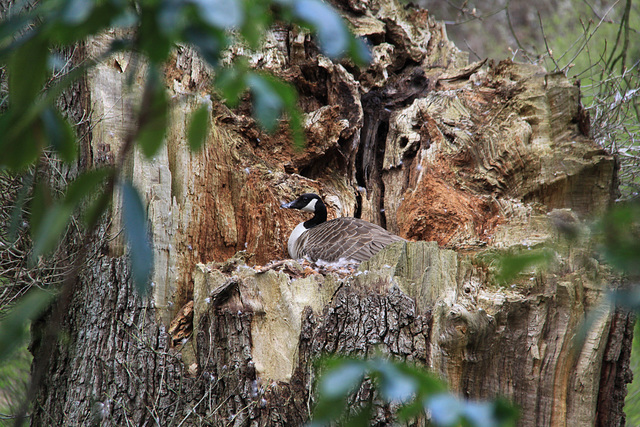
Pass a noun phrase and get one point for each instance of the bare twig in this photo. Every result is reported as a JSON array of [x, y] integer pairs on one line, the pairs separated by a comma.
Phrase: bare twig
[[525, 51], [546, 43]]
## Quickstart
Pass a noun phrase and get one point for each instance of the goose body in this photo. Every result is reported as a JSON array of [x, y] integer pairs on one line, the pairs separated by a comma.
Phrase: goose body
[[344, 238]]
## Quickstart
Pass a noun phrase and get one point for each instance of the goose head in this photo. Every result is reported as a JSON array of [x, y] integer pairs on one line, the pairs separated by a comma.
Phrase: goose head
[[307, 202]]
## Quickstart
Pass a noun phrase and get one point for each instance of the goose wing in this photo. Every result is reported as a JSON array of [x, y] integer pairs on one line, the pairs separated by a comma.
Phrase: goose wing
[[347, 238]]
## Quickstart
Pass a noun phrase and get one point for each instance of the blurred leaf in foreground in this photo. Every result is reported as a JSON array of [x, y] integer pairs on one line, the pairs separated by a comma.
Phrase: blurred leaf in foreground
[[13, 328], [135, 226], [414, 391], [199, 127], [620, 243]]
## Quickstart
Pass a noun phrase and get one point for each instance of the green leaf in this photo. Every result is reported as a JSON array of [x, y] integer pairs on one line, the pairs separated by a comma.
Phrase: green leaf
[[505, 412], [16, 211], [23, 141], [209, 42], [231, 82], [449, 410], [395, 386], [125, 17], [11, 26], [629, 298], [27, 70], [171, 18], [14, 327], [428, 383], [22, 132], [410, 410], [511, 265], [267, 102], [199, 128], [76, 11], [97, 208], [54, 223], [620, 230], [86, 184], [359, 52], [342, 380], [271, 97], [88, 18], [296, 127], [255, 25], [60, 134], [38, 206], [135, 227], [18, 150], [445, 409], [223, 14], [50, 219], [333, 36], [480, 414], [154, 113], [328, 410], [150, 38], [361, 418]]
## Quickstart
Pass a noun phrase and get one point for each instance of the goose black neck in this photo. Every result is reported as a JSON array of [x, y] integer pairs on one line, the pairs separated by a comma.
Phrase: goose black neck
[[320, 215]]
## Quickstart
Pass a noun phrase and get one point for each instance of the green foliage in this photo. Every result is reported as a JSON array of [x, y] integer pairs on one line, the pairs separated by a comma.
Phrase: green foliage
[[13, 329], [50, 228], [231, 82], [506, 266], [135, 226], [332, 34], [153, 115], [619, 231], [60, 133], [511, 265], [413, 391], [14, 380], [27, 39], [272, 98], [16, 212], [199, 128], [49, 218], [632, 401]]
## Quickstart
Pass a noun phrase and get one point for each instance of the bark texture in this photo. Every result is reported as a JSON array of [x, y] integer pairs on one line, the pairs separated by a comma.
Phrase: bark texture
[[465, 160]]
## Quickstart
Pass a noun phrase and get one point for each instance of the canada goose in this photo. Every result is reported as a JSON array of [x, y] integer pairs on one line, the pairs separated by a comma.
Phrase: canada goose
[[349, 239]]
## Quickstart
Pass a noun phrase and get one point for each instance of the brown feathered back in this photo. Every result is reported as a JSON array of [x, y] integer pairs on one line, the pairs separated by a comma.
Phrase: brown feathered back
[[343, 238]]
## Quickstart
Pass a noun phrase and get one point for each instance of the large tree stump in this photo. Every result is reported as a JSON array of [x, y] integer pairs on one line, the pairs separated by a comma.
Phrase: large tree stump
[[464, 160]]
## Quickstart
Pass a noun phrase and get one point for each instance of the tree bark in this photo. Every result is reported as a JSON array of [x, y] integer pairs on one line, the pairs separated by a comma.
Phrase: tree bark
[[464, 160]]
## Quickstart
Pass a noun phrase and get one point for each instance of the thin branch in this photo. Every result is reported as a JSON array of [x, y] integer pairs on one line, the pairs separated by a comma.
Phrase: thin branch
[[546, 43], [587, 39], [625, 17], [513, 32]]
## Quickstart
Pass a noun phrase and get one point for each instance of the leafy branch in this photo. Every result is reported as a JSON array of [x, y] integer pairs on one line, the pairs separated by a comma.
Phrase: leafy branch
[[412, 392]]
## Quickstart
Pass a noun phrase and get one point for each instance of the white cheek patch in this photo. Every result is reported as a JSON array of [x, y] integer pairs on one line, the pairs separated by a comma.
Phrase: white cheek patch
[[311, 206]]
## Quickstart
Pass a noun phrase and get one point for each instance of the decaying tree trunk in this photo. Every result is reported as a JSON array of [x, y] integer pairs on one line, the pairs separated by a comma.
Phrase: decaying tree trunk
[[464, 160]]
